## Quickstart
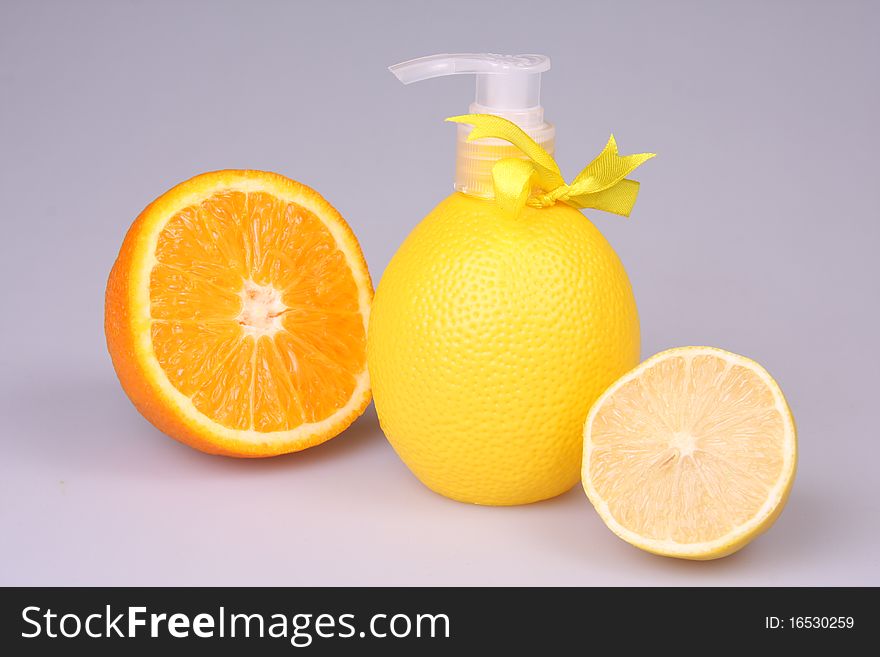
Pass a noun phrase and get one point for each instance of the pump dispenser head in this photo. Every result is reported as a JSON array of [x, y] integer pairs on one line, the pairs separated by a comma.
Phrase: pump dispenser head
[[508, 86]]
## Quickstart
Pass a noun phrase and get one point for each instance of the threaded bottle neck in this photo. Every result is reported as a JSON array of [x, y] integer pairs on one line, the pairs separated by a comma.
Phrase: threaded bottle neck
[[474, 160]]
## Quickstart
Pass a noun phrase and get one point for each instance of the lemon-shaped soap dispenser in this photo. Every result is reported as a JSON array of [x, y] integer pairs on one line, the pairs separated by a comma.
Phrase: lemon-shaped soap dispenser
[[505, 313]]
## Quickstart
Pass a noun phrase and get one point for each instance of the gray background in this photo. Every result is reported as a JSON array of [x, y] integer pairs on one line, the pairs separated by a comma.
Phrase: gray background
[[756, 231]]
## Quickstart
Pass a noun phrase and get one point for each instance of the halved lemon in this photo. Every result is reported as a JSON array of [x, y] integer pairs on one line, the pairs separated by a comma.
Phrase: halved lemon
[[691, 454], [236, 315]]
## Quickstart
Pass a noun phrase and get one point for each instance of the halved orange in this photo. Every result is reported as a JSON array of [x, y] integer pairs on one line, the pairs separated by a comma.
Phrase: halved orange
[[236, 315], [692, 454]]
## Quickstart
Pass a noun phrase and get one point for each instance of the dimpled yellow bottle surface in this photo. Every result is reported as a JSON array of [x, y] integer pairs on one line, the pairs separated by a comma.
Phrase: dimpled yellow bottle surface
[[499, 322], [489, 338]]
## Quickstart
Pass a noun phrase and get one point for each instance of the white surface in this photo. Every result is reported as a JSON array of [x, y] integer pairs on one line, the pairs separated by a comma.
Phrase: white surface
[[756, 231]]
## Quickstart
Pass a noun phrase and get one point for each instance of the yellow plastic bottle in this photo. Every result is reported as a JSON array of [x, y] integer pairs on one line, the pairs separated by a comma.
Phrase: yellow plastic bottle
[[492, 332]]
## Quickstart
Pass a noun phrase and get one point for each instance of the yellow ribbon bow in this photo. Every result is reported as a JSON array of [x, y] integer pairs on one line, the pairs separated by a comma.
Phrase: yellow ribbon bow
[[602, 185]]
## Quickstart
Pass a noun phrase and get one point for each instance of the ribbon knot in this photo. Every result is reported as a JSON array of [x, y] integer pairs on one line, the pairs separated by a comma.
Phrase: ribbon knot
[[538, 181]]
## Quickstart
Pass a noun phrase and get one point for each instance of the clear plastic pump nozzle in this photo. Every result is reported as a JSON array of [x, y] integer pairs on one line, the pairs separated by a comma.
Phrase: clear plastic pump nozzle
[[508, 86]]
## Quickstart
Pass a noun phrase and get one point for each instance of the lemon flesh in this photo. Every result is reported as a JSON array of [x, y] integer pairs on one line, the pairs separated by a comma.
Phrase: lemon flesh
[[692, 454], [489, 339]]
